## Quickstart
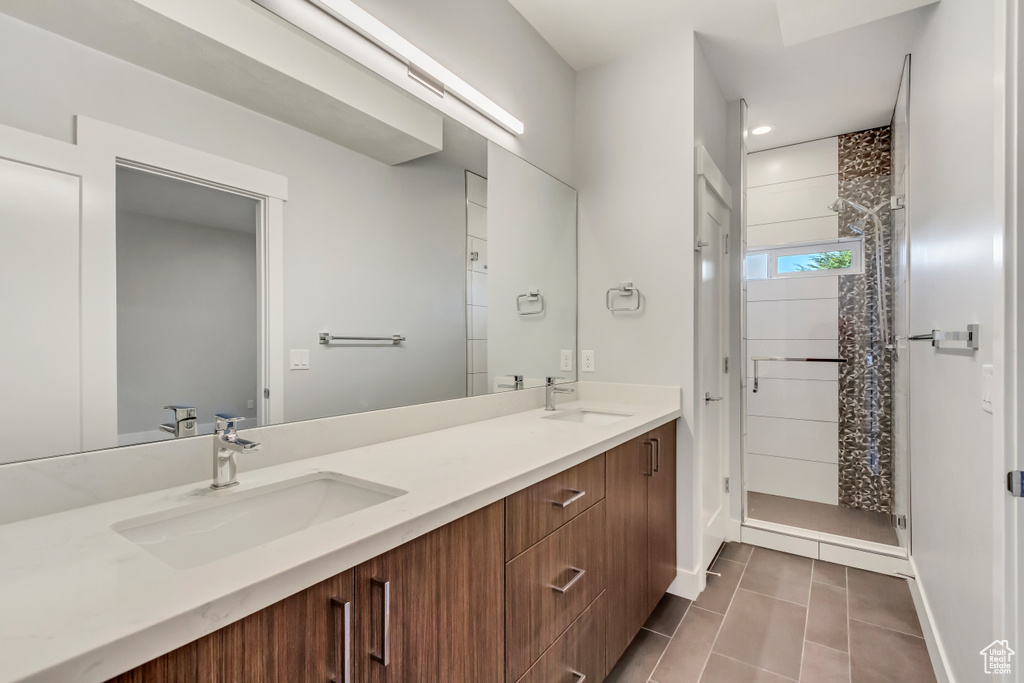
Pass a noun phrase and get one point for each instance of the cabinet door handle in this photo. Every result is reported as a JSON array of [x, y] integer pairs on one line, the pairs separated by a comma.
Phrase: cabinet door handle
[[566, 503], [650, 458], [384, 657], [342, 640], [572, 582], [657, 456], [579, 676]]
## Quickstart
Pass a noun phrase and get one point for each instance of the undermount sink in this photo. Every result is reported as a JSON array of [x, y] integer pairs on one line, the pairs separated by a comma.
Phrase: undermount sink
[[229, 523], [589, 417]]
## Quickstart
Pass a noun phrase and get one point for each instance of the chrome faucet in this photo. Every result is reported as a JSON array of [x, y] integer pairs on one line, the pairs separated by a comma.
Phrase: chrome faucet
[[226, 444], [185, 421], [518, 379], [550, 390]]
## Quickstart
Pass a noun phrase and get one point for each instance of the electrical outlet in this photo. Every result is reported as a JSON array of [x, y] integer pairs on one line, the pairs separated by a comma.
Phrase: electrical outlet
[[251, 404], [299, 359], [565, 364], [588, 361]]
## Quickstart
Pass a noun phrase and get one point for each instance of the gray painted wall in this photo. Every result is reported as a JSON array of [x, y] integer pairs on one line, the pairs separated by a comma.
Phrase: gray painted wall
[[186, 320]]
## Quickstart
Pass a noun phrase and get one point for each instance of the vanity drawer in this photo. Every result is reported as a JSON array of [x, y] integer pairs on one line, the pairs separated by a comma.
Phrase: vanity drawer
[[580, 651], [533, 513], [548, 587]]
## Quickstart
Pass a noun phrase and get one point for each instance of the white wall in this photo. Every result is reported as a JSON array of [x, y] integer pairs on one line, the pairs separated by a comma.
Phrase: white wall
[[494, 49], [635, 152], [40, 253], [351, 222], [182, 290], [526, 209], [955, 218], [792, 440], [638, 120]]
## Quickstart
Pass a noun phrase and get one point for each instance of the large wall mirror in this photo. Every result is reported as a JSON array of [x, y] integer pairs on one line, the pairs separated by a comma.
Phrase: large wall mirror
[[138, 298]]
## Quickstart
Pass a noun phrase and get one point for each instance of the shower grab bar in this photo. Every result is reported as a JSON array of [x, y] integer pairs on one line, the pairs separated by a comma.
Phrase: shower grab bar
[[758, 359], [327, 338]]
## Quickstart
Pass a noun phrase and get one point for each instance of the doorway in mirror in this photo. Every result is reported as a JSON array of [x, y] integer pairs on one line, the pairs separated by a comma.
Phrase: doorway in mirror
[[187, 281]]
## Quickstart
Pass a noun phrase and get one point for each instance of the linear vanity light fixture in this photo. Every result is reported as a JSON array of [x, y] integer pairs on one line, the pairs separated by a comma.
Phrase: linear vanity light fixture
[[422, 68]]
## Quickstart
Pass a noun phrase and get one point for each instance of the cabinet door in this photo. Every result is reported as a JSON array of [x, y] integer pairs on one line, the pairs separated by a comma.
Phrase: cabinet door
[[433, 609], [628, 469], [302, 637], [661, 513]]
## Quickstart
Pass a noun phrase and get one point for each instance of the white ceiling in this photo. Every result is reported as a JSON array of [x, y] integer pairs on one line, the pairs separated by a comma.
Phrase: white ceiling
[[841, 81], [808, 19], [177, 200]]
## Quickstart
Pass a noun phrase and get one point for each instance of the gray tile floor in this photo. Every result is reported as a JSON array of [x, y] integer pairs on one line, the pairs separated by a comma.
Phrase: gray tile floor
[[831, 519], [772, 617]]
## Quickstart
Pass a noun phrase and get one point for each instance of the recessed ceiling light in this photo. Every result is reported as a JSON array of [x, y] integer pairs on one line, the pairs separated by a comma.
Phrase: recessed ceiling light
[[761, 130]]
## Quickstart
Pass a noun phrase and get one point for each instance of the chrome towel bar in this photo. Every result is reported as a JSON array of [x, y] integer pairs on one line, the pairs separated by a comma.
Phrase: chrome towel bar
[[758, 359], [327, 338]]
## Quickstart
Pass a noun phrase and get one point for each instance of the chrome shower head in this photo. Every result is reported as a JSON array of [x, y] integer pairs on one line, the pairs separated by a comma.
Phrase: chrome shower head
[[837, 206], [860, 226]]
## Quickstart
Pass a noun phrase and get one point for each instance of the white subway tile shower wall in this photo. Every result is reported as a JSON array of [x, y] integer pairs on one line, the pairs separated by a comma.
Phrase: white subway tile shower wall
[[476, 285], [792, 421]]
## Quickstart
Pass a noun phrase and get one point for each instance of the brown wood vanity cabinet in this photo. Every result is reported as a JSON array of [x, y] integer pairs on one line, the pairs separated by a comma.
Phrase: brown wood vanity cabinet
[[548, 585], [558, 529], [429, 610], [641, 532]]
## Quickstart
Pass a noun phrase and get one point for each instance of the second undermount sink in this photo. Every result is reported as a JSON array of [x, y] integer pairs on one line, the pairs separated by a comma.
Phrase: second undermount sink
[[222, 526], [586, 416]]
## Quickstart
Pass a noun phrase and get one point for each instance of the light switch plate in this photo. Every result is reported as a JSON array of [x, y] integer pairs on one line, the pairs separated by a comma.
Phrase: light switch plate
[[565, 364], [588, 362], [299, 359]]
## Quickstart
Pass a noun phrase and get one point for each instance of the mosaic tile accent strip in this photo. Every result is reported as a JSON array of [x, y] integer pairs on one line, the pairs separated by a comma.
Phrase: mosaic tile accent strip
[[866, 380]]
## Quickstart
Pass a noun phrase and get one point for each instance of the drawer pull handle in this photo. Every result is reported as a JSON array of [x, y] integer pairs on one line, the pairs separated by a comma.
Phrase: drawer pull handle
[[579, 575], [343, 640], [566, 503], [579, 677], [385, 651]]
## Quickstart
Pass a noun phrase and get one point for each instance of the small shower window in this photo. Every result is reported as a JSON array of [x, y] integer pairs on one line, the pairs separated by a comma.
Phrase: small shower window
[[834, 257]]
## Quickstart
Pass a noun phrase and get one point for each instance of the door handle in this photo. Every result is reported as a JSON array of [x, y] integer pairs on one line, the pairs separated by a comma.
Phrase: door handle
[[657, 455], [708, 398], [580, 677], [384, 657], [342, 640], [650, 458]]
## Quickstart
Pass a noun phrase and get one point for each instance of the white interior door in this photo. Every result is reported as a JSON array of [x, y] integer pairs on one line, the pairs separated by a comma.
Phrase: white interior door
[[712, 402], [40, 243]]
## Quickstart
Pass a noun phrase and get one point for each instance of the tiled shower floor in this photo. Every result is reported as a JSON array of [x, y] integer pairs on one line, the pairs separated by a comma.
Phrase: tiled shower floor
[[772, 617], [832, 519]]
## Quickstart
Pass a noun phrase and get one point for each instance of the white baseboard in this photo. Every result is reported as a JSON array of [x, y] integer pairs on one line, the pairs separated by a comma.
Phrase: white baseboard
[[688, 584], [734, 530], [937, 653]]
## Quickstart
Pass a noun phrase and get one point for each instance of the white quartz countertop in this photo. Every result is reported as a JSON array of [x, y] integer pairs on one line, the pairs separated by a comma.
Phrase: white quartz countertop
[[79, 602]]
